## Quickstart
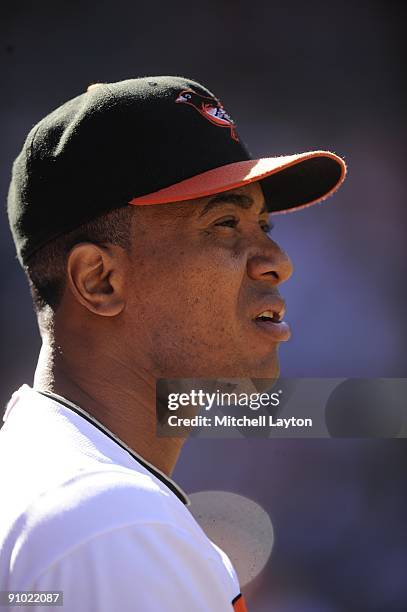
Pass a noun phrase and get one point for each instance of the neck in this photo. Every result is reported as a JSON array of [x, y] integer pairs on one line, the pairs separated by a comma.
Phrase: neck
[[127, 410]]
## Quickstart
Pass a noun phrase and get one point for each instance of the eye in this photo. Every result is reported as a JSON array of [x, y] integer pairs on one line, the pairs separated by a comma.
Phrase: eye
[[229, 222], [187, 96], [266, 227]]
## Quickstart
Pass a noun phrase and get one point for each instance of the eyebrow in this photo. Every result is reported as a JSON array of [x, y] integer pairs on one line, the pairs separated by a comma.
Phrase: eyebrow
[[240, 200]]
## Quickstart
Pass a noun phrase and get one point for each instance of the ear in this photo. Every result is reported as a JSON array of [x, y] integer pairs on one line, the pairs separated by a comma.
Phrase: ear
[[96, 277]]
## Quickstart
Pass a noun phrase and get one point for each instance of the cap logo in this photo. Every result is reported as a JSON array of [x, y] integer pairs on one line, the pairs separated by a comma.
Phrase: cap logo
[[209, 108]]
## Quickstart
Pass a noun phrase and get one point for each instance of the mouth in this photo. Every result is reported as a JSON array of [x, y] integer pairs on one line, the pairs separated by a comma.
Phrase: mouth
[[270, 321]]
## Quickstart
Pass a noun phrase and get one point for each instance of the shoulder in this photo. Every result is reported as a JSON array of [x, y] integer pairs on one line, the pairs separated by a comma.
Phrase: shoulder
[[107, 533], [79, 508], [69, 483], [86, 506], [150, 566]]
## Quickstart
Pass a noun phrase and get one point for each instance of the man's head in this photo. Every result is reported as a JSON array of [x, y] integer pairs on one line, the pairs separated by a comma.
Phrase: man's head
[[186, 281], [141, 221]]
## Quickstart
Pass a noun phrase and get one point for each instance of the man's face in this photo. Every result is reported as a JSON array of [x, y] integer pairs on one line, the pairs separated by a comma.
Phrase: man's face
[[200, 274]]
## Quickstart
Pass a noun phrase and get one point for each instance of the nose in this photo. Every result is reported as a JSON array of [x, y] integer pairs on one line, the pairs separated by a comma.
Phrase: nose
[[270, 263]]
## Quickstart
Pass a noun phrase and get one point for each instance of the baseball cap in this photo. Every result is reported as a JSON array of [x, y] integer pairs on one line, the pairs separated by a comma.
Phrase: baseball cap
[[145, 141]]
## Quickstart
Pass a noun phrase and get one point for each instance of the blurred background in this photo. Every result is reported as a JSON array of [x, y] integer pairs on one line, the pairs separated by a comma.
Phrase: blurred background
[[295, 76]]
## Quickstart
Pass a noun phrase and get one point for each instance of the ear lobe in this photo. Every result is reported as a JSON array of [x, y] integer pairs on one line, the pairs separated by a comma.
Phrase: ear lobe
[[95, 275]]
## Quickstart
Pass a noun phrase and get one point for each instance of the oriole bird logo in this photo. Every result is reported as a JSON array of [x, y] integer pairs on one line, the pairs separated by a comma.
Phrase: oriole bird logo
[[209, 108]]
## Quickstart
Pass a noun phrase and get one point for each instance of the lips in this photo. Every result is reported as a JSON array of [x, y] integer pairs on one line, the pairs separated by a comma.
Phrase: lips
[[269, 319]]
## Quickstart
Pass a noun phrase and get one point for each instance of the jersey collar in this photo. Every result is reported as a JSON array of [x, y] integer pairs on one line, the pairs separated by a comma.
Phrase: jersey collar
[[148, 466]]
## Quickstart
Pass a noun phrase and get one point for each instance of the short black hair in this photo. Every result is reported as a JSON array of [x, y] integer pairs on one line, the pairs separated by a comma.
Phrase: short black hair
[[46, 268]]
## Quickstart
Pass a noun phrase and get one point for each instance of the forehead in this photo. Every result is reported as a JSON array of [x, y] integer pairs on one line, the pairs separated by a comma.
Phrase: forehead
[[245, 197]]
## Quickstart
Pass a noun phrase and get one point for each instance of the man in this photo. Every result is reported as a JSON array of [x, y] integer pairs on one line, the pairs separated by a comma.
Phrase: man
[[142, 224]]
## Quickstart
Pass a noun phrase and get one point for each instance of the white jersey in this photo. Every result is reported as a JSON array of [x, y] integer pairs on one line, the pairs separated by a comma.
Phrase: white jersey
[[83, 514]]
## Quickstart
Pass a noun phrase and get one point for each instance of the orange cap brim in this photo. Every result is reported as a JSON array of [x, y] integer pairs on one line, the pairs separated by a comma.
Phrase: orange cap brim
[[290, 182]]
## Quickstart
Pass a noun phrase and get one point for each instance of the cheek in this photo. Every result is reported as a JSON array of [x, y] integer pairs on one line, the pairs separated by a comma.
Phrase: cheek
[[187, 293], [210, 292]]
